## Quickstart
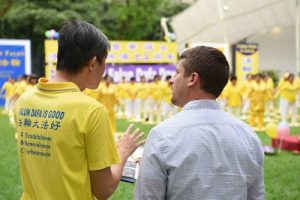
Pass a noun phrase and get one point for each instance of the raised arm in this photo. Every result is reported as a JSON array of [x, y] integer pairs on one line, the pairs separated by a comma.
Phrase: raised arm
[[105, 181]]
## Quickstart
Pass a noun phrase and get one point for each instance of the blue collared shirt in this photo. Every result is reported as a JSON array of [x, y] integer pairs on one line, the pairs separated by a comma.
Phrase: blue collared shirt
[[201, 153]]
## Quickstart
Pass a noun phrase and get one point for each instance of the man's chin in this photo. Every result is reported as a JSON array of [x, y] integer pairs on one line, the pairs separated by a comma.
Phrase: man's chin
[[173, 101]]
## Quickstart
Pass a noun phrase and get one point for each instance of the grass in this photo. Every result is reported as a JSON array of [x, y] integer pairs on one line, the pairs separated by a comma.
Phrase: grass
[[282, 171], [10, 183]]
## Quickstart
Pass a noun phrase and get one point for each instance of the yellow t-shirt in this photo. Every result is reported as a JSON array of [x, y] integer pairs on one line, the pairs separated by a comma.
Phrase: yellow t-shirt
[[280, 83], [94, 93], [269, 89], [166, 93], [257, 92], [270, 83], [224, 92], [14, 88], [245, 88], [107, 97], [288, 91], [21, 87], [121, 90], [156, 90], [62, 135], [142, 90], [131, 90], [8, 86], [234, 96]]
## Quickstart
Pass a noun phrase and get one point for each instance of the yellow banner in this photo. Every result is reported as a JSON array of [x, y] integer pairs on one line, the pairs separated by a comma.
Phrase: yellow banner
[[142, 52], [127, 52], [50, 71], [246, 60], [51, 52]]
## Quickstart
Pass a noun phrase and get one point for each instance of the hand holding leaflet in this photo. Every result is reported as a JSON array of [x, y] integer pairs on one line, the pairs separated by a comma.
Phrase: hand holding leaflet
[[128, 146]]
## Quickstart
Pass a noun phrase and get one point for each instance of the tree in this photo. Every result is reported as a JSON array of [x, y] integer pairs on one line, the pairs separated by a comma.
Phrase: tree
[[30, 19], [118, 19]]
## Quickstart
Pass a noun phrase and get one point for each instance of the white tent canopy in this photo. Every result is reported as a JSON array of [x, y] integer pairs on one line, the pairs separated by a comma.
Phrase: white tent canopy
[[231, 20]]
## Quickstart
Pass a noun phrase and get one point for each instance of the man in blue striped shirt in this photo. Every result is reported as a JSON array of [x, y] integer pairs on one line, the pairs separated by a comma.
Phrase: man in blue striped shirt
[[202, 152]]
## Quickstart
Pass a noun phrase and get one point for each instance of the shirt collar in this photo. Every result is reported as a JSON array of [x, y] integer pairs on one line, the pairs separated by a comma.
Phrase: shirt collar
[[201, 104], [47, 86]]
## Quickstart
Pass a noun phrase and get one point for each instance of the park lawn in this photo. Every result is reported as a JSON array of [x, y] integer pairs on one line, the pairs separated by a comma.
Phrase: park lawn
[[282, 171]]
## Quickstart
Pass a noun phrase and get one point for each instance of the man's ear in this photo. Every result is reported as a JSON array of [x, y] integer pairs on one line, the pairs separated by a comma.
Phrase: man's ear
[[92, 63], [193, 79]]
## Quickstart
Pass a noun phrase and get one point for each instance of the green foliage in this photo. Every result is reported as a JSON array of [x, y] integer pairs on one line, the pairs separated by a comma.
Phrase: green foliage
[[10, 183], [30, 19], [137, 19], [5, 6], [126, 20]]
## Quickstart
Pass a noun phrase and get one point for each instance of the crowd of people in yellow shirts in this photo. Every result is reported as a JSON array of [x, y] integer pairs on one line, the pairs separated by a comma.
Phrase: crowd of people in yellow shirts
[[14, 89], [256, 100], [148, 102]]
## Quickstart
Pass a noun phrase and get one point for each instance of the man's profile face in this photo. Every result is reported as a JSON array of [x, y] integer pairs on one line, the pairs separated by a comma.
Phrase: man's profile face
[[100, 71], [178, 82]]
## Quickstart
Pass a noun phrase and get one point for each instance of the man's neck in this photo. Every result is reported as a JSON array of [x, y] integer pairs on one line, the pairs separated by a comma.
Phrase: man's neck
[[200, 95], [65, 77]]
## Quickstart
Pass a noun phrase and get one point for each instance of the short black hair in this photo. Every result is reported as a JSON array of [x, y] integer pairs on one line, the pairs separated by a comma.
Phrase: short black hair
[[210, 64], [78, 42]]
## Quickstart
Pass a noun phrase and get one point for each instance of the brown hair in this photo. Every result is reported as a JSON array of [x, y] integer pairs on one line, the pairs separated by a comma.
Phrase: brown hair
[[211, 66]]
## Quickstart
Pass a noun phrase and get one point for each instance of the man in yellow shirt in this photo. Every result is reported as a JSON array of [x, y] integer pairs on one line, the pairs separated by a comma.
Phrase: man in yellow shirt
[[109, 99], [149, 108], [288, 92], [168, 109], [222, 98], [245, 90], [157, 95], [234, 97], [269, 96], [8, 88], [141, 96], [257, 92], [66, 146], [121, 95], [17, 90], [106, 95], [131, 91], [22, 86]]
